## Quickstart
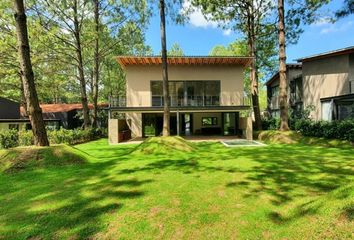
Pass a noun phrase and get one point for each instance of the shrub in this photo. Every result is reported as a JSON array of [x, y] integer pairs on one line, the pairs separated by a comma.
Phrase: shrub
[[25, 138], [332, 130], [8, 138], [74, 136], [271, 124], [14, 138]]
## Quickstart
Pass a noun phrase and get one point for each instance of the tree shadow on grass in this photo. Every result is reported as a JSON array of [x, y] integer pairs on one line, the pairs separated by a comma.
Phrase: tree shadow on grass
[[65, 202]]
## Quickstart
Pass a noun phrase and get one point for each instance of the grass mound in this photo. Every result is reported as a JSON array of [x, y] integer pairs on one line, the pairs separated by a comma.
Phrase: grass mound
[[17, 159], [164, 146], [292, 137]]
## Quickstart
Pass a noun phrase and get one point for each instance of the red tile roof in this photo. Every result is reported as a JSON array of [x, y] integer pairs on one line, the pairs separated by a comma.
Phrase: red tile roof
[[63, 107]]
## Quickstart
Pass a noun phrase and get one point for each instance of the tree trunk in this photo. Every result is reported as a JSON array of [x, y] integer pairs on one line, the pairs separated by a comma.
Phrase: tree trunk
[[166, 99], [96, 66], [283, 86], [253, 71], [77, 33], [34, 110]]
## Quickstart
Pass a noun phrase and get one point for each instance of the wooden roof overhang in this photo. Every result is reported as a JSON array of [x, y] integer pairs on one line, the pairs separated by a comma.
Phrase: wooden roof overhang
[[181, 109], [184, 60]]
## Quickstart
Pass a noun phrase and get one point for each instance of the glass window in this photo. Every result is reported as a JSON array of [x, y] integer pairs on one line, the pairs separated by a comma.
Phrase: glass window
[[209, 121], [156, 88], [187, 93], [327, 110], [275, 91]]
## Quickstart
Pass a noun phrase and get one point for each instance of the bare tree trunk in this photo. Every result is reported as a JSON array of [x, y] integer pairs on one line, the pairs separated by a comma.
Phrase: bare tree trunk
[[34, 110], [96, 65], [23, 97], [166, 105], [77, 34], [283, 86], [253, 70]]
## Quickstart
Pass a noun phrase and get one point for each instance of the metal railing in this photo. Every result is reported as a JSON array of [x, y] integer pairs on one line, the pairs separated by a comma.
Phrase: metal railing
[[119, 101], [190, 101]]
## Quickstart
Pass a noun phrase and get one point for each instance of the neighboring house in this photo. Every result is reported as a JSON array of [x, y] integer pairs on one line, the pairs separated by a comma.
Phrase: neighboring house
[[327, 85], [294, 78], [11, 117], [67, 115], [206, 95]]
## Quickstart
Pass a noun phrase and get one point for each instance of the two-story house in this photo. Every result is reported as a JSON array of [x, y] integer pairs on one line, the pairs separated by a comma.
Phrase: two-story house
[[206, 95], [324, 81], [294, 78]]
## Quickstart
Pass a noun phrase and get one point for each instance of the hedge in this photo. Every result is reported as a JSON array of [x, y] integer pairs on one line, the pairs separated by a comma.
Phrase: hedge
[[14, 138], [343, 130], [333, 130]]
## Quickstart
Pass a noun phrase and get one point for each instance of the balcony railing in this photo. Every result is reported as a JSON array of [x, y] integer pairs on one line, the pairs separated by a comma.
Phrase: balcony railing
[[190, 101], [119, 101]]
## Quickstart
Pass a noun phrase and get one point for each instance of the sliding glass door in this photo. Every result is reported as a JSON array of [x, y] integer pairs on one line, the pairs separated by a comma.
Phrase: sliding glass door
[[230, 123]]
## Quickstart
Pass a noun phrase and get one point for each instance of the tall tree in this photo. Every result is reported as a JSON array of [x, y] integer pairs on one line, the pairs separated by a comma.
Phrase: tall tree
[[96, 64], [166, 99], [283, 86], [35, 112], [251, 18], [76, 30]]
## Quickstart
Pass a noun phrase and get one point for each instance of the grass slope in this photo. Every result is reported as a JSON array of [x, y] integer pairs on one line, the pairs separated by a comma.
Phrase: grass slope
[[164, 146], [292, 137], [212, 192], [21, 158]]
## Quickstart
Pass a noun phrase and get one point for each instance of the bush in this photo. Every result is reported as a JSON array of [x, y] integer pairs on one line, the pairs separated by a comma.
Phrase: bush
[[14, 138], [74, 136], [271, 124], [332, 130], [25, 138], [8, 138]]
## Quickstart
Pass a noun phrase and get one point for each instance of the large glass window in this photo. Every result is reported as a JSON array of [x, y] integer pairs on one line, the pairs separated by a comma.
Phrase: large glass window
[[327, 109], [275, 91], [187, 93]]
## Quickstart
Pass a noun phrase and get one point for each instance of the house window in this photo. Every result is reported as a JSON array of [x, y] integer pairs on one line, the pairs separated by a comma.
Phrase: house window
[[187, 93], [275, 91], [327, 109], [351, 86], [209, 121]]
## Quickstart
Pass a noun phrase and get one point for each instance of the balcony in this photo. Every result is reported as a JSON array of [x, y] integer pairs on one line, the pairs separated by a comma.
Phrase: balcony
[[189, 101], [118, 101]]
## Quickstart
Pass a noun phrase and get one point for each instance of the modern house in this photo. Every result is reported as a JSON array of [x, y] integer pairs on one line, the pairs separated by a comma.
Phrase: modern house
[[294, 78], [206, 96], [326, 83]]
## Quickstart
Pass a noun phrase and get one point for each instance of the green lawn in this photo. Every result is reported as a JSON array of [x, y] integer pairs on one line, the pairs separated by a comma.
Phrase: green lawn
[[212, 192]]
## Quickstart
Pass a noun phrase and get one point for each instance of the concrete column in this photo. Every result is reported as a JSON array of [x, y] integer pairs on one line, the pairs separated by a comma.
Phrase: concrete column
[[178, 130], [249, 129], [113, 130]]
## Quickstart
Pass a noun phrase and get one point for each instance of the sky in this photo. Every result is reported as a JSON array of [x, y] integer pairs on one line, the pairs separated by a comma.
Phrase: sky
[[199, 36]]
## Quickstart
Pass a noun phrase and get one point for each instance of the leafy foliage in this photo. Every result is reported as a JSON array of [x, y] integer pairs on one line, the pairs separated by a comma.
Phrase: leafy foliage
[[13, 138], [8, 138], [346, 10], [332, 130]]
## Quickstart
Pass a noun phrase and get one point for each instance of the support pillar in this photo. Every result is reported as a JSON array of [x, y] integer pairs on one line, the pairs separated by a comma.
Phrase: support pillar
[[178, 126]]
